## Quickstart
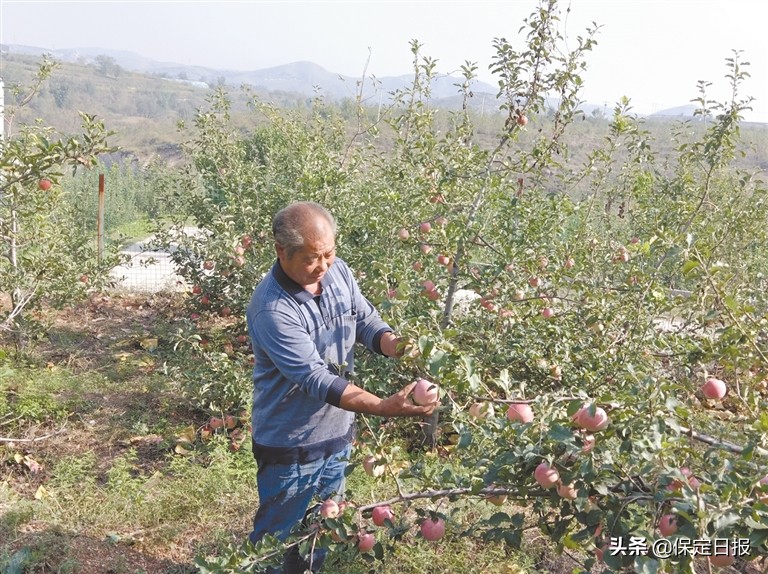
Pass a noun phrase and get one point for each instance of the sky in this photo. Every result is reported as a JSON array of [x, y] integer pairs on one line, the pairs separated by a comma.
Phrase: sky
[[651, 51]]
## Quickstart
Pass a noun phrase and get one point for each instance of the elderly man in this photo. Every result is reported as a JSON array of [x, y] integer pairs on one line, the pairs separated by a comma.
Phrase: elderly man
[[304, 319]]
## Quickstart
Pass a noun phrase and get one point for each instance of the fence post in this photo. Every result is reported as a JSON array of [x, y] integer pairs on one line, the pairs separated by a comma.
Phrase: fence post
[[100, 224]]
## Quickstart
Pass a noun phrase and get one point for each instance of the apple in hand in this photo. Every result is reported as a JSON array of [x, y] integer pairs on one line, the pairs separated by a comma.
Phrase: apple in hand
[[433, 528], [425, 393]]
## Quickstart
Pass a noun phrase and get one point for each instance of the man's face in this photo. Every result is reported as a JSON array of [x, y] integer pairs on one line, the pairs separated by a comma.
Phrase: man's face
[[309, 264]]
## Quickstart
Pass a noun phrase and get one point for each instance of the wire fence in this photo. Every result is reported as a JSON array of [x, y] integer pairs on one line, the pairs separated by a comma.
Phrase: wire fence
[[147, 270]]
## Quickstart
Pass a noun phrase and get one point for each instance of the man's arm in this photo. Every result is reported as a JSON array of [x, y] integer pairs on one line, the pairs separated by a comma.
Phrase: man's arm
[[359, 400]]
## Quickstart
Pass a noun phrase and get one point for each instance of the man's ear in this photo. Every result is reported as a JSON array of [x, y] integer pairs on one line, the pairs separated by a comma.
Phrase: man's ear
[[280, 250]]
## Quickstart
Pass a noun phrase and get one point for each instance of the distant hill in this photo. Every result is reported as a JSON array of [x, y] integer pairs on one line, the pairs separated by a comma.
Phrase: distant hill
[[300, 77]]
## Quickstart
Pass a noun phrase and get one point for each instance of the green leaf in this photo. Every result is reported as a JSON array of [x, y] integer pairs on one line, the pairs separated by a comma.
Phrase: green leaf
[[646, 565], [689, 266]]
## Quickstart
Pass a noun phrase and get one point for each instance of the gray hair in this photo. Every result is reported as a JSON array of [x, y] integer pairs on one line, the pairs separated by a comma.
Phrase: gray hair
[[290, 222]]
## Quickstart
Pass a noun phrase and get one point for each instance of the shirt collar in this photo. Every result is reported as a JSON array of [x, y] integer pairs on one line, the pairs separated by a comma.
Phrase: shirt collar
[[295, 290]]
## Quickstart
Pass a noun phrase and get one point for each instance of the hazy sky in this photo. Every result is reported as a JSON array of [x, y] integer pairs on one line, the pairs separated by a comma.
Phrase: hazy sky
[[653, 51]]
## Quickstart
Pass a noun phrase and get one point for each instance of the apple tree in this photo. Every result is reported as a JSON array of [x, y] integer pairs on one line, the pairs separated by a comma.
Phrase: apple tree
[[46, 255]]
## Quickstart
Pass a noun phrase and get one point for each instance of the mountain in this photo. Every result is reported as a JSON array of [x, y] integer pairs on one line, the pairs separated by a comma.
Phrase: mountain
[[299, 77]]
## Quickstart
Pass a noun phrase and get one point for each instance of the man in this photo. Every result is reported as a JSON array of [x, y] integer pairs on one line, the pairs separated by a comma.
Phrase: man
[[303, 319]]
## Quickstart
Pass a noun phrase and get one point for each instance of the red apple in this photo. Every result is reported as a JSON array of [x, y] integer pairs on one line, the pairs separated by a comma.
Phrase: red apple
[[520, 412], [329, 509], [197, 289], [403, 234], [713, 388], [417, 266], [522, 120], [44, 184], [567, 491], [534, 282], [589, 443], [216, 423], [547, 476], [428, 285], [230, 421], [425, 227], [433, 529], [443, 260], [722, 560], [425, 393], [425, 249], [208, 265], [381, 514], [592, 423], [225, 311], [365, 541], [668, 525], [547, 312], [372, 466], [569, 263], [246, 241]]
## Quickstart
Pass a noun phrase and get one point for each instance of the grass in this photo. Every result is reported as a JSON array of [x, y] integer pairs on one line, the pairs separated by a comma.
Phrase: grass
[[94, 474]]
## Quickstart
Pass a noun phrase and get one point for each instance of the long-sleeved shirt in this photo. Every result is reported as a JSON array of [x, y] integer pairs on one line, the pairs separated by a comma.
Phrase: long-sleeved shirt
[[303, 348]]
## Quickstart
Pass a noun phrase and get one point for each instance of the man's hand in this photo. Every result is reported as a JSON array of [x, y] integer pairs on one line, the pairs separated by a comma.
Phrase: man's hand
[[397, 405], [392, 345]]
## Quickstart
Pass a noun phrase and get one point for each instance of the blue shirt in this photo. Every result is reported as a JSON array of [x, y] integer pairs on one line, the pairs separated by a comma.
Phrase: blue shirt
[[303, 348]]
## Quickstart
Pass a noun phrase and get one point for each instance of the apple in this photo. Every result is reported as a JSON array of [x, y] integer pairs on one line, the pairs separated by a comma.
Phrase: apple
[[208, 265], [372, 466], [428, 285], [230, 421], [543, 262], [569, 263], [239, 250], [329, 509], [225, 311], [417, 266], [197, 289], [567, 491], [547, 476], [714, 388], [722, 560], [381, 514], [433, 528], [216, 423], [365, 541], [83, 278], [239, 261], [44, 184], [441, 221], [205, 300], [246, 241], [547, 312], [534, 282], [425, 227], [668, 525], [520, 412], [522, 120], [496, 499], [592, 423], [433, 295], [481, 410], [425, 249], [443, 260], [403, 234], [693, 482], [194, 316], [425, 393], [242, 339]]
